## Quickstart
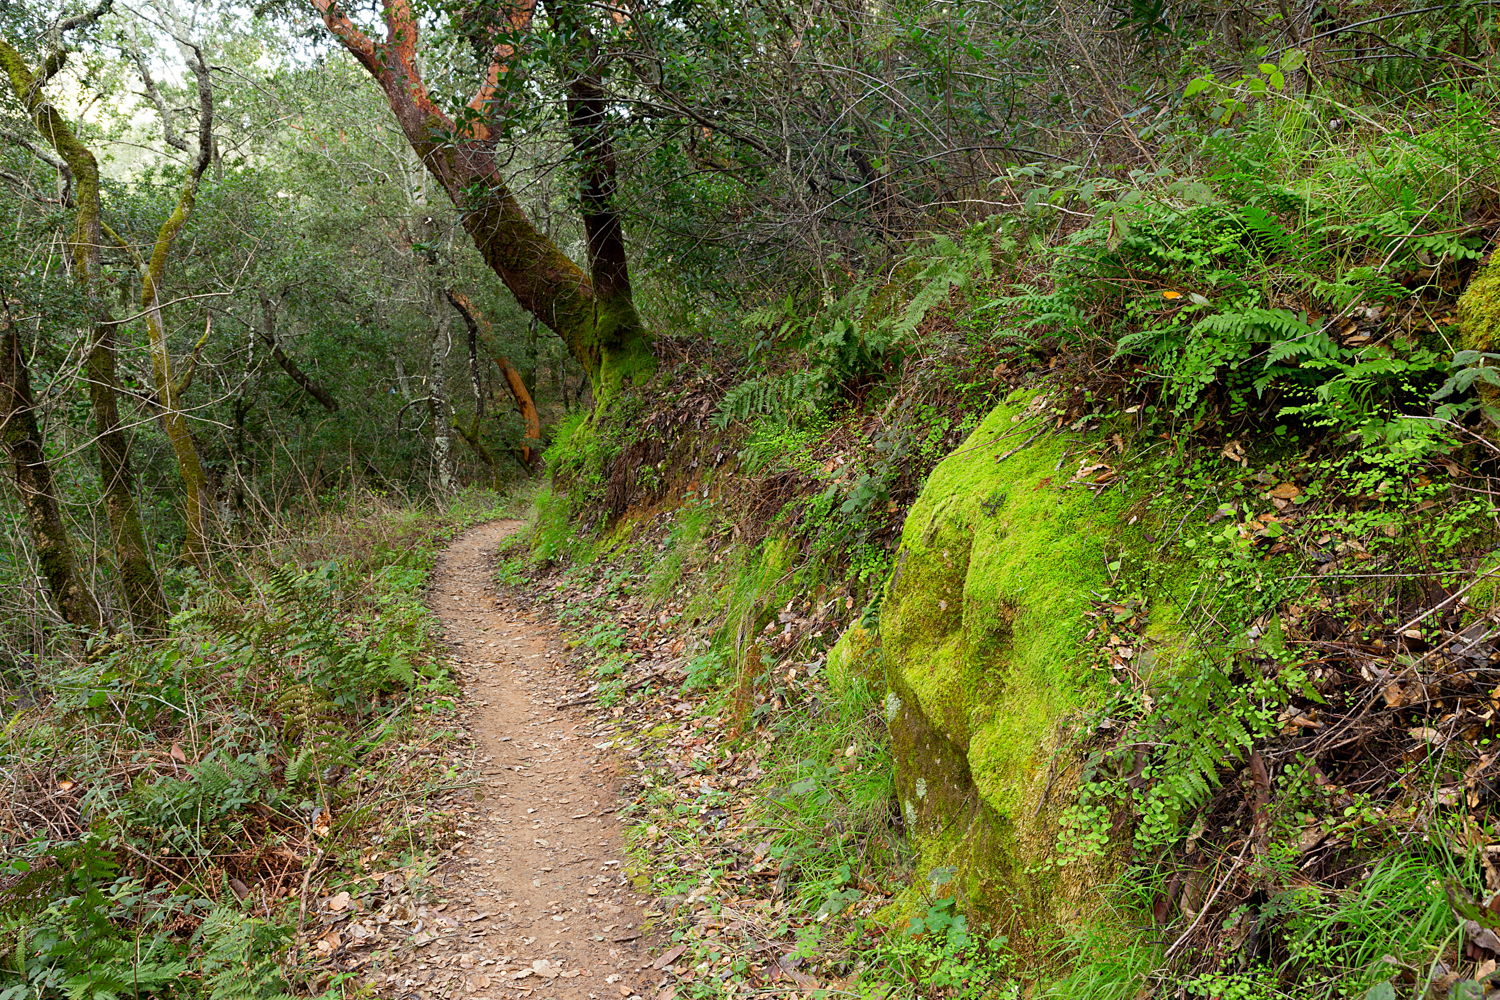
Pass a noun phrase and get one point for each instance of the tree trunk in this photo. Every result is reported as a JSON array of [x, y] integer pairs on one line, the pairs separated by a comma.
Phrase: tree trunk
[[593, 314], [475, 382], [198, 500], [197, 497], [472, 435], [426, 234], [480, 329], [524, 406], [138, 580], [529, 375], [22, 439], [438, 346]]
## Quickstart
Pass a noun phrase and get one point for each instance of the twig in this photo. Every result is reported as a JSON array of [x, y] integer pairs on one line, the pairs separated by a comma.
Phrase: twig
[[1020, 446], [1449, 599], [302, 895], [1209, 901]]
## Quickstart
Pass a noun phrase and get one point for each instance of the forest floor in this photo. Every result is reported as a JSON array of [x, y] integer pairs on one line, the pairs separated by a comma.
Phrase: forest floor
[[534, 902]]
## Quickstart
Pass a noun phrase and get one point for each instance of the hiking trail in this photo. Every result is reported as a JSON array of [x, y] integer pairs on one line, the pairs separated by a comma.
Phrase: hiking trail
[[539, 885]]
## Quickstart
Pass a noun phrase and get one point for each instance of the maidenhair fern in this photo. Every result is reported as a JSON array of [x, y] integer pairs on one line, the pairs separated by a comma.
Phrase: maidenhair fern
[[1182, 741]]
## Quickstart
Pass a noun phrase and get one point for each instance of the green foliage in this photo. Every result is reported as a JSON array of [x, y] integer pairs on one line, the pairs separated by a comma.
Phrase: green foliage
[[77, 941], [682, 551], [201, 753], [938, 950], [834, 774], [1182, 737], [792, 396]]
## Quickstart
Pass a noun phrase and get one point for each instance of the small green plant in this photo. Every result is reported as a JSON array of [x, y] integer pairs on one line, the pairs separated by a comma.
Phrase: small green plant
[[938, 950], [1181, 738], [511, 572]]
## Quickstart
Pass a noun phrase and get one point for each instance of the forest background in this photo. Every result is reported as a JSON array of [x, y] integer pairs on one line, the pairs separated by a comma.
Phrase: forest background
[[291, 291]]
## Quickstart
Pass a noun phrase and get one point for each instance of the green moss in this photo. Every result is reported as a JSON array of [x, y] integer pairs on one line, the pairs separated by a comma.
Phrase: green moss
[[1479, 320], [856, 656], [982, 630], [628, 363], [552, 533]]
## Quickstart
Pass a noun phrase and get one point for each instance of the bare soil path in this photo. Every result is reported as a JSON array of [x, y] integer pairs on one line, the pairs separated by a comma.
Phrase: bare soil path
[[539, 891]]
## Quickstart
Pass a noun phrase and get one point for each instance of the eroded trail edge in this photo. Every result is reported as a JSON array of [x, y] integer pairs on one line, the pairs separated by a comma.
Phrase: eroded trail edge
[[535, 902]]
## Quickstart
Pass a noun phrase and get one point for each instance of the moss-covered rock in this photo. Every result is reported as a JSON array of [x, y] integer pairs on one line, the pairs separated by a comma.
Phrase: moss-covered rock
[[982, 629], [1479, 321], [855, 656]]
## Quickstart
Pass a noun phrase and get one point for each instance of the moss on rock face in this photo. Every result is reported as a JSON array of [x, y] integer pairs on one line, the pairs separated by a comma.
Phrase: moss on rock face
[[1479, 321], [855, 656], [982, 629]]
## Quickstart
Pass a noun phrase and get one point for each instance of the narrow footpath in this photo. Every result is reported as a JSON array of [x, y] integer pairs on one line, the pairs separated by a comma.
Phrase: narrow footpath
[[549, 911]]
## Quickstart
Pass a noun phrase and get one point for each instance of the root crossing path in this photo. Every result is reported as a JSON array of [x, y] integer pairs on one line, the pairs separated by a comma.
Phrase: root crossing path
[[538, 904]]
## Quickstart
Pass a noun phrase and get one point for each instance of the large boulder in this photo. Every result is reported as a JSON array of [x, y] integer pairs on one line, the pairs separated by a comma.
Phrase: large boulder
[[983, 628], [1479, 322]]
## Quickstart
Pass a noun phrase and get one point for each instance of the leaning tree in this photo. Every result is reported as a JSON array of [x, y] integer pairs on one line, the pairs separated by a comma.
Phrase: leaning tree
[[591, 310]]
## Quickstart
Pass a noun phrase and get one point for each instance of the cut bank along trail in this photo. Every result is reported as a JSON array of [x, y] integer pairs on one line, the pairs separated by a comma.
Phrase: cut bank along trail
[[539, 887]]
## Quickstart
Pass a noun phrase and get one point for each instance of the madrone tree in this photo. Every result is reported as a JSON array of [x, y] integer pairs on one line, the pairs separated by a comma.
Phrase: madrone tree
[[592, 311]]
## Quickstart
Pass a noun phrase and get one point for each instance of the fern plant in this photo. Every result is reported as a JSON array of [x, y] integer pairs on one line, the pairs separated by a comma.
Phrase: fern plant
[[1179, 743], [790, 396]]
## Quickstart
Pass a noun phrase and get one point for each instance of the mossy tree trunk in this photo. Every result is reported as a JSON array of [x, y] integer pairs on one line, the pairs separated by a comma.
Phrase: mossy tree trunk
[[138, 580], [594, 314], [198, 501], [22, 438]]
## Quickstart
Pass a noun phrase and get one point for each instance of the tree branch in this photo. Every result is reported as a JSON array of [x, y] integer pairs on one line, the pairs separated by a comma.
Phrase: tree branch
[[356, 41], [267, 333], [153, 95]]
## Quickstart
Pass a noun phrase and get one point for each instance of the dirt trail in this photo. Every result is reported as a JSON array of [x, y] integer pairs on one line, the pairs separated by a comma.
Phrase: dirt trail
[[544, 857]]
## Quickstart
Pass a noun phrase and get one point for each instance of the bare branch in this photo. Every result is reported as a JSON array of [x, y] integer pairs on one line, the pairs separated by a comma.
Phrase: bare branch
[[153, 95]]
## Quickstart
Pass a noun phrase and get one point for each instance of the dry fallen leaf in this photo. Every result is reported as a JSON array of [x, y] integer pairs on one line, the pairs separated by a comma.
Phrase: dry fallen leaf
[[669, 957], [1481, 936], [322, 823]]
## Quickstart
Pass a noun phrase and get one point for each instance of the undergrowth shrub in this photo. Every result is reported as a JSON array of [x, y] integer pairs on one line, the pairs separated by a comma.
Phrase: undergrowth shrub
[[144, 779]]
